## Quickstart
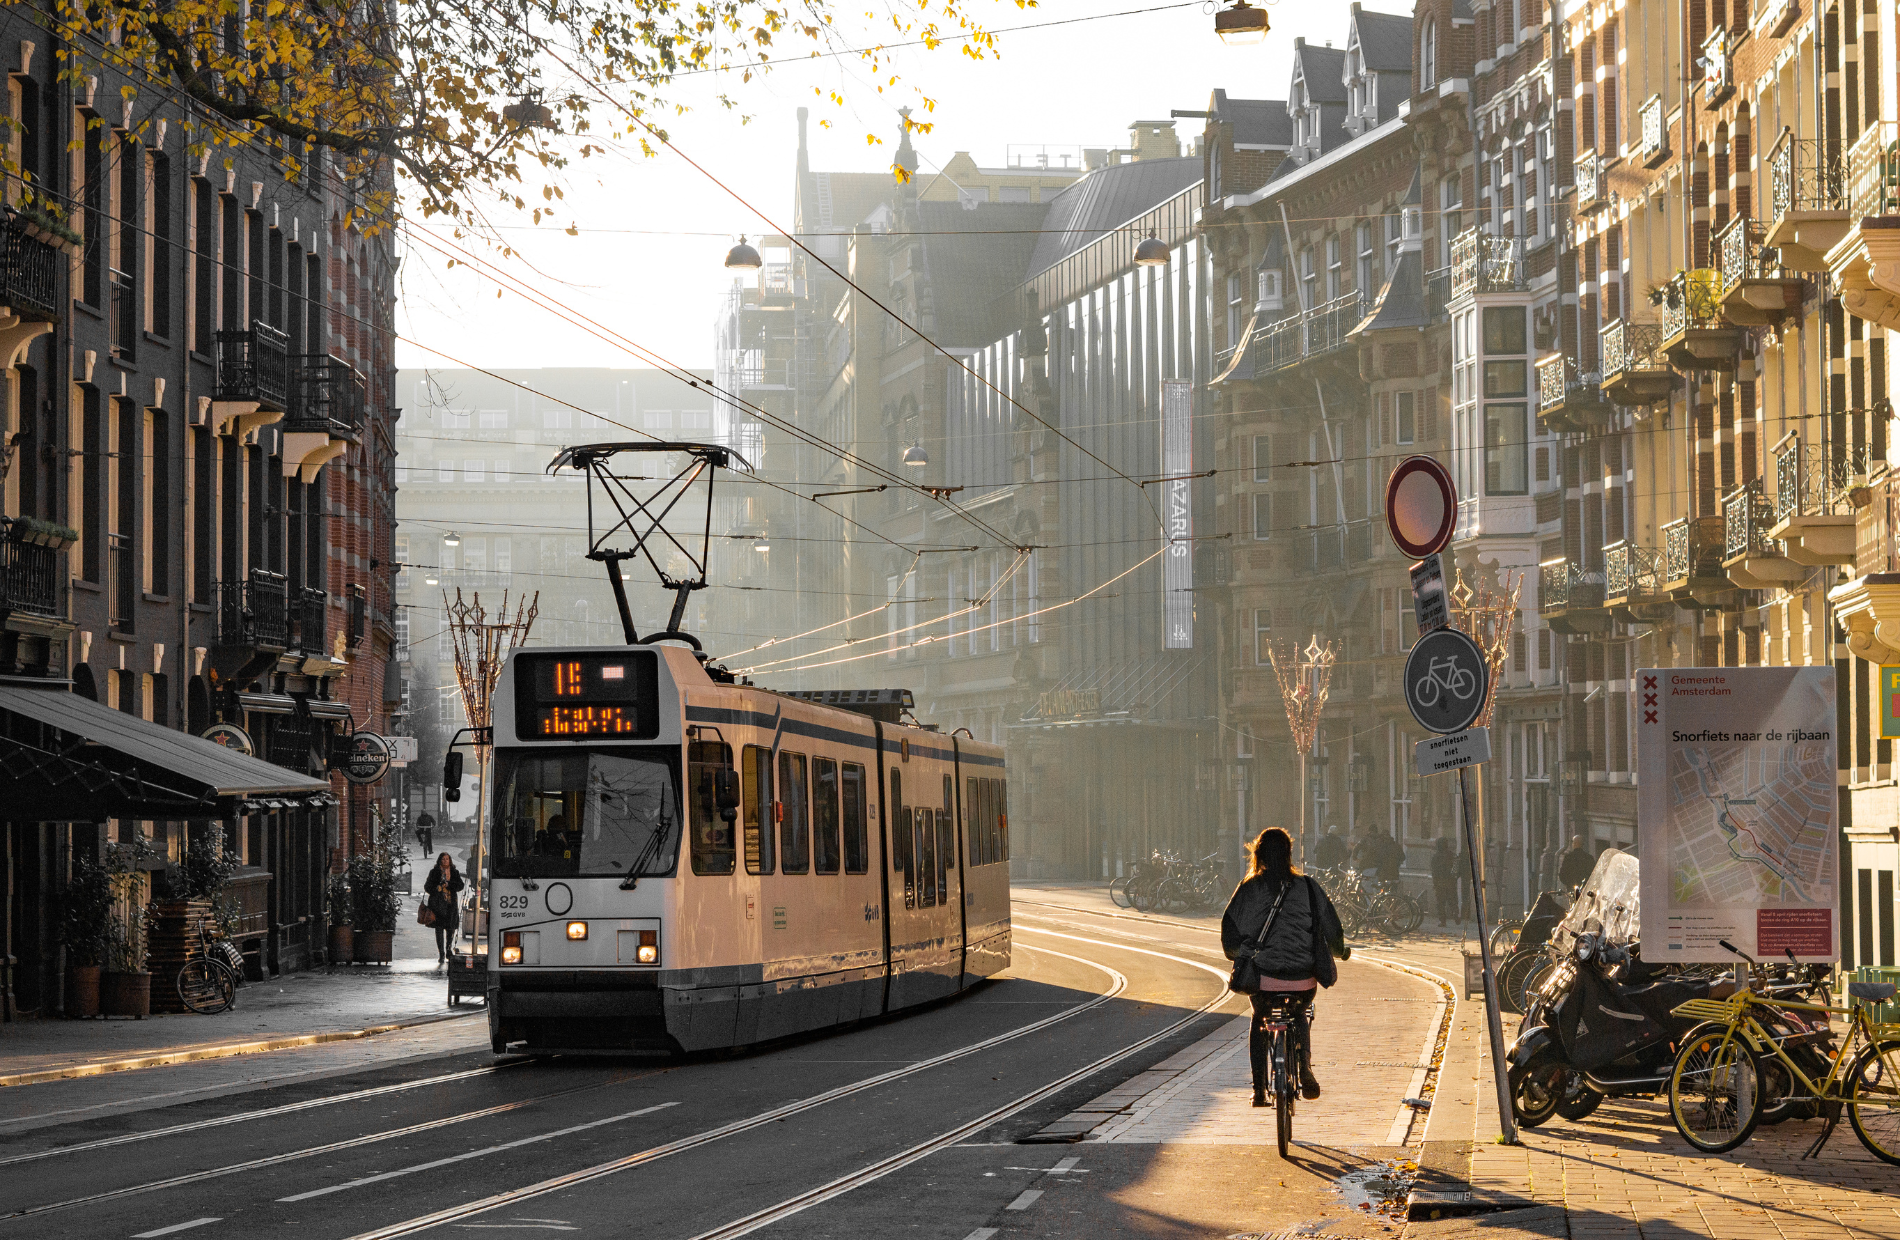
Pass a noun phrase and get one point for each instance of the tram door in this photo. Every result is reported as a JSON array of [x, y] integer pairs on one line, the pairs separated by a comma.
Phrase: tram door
[[925, 888]]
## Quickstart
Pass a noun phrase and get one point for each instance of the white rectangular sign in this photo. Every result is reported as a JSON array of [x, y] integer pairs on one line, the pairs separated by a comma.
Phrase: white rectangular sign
[[1438, 754], [1177, 462], [1736, 813], [1428, 594]]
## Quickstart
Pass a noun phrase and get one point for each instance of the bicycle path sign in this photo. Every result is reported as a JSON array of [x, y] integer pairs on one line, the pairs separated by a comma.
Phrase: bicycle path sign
[[1446, 681]]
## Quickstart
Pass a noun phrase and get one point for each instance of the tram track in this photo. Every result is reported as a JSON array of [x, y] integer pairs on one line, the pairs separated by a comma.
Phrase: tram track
[[868, 1173]]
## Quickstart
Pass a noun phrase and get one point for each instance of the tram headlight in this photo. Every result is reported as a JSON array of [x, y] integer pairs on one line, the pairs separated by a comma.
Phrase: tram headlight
[[577, 930], [511, 947], [648, 952]]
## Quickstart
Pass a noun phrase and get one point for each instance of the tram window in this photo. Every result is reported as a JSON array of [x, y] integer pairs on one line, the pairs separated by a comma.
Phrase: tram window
[[756, 794], [583, 812], [712, 835], [903, 857], [857, 844], [973, 822], [794, 826], [1002, 819], [824, 814], [946, 845], [925, 825], [988, 811]]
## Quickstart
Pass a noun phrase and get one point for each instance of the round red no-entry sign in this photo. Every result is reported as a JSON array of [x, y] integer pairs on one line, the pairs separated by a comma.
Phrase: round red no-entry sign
[[1421, 506]]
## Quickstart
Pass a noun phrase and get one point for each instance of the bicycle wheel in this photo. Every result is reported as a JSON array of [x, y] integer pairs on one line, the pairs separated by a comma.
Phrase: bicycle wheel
[[1504, 937], [1118, 893], [1714, 1091], [1414, 913], [1282, 1094], [204, 986], [1141, 895], [1873, 1099]]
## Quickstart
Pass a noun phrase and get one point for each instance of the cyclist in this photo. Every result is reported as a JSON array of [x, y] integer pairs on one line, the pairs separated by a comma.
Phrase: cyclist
[[1331, 852], [1305, 929]]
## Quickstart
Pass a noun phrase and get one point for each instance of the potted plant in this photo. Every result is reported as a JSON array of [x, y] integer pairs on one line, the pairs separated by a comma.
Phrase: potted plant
[[342, 937], [42, 533], [125, 986], [375, 903], [84, 931]]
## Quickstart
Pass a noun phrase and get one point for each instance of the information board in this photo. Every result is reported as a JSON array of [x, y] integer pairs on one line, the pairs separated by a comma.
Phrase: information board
[[1177, 498], [1736, 813], [587, 696]]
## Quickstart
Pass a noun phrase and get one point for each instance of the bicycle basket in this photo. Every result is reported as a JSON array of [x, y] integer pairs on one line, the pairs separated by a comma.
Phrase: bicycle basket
[[1721, 1011]]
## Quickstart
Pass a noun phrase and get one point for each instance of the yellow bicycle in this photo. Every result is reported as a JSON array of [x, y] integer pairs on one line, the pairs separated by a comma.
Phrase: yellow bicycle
[[1716, 1089]]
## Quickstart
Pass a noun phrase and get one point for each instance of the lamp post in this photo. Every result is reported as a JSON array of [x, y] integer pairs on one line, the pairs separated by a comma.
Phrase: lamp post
[[1305, 677]]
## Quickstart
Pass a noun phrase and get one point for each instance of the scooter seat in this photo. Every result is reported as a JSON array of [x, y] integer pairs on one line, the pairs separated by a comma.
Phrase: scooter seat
[[1873, 992]]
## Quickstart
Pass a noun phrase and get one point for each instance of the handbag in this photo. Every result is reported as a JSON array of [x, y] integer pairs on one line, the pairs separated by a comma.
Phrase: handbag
[[1246, 976], [425, 916]]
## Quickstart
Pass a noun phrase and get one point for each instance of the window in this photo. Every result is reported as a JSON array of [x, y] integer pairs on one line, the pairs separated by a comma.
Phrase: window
[[1012, 193], [455, 419], [903, 856], [1367, 258], [659, 419], [1503, 329], [1263, 458], [794, 815], [824, 814], [585, 812], [1428, 53], [1307, 279], [1243, 741], [1504, 378], [946, 839], [695, 419], [474, 555], [1262, 516], [473, 471], [557, 419], [756, 814], [1262, 636], [1335, 271], [1236, 307], [1406, 419], [1450, 216], [158, 221], [445, 471], [1506, 454], [494, 419], [857, 842], [504, 555], [712, 848], [402, 470]]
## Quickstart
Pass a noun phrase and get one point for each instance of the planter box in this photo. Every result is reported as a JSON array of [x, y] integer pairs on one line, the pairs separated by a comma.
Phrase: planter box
[[342, 944], [375, 946], [82, 991], [125, 994]]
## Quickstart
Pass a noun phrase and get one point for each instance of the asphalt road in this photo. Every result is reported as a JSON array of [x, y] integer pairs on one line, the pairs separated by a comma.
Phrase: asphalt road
[[906, 1126]]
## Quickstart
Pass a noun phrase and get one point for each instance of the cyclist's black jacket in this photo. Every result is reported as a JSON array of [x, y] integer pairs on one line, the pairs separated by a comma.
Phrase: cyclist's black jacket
[[1288, 953]]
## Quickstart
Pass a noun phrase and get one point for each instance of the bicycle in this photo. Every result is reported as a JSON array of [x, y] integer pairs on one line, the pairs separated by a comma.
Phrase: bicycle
[[1716, 1087], [207, 985], [1282, 1074]]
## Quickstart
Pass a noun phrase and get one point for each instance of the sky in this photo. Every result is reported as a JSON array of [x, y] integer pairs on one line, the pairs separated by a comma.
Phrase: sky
[[646, 266]]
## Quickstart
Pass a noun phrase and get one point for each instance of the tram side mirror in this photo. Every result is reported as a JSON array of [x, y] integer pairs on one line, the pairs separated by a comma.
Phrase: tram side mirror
[[726, 793], [452, 776]]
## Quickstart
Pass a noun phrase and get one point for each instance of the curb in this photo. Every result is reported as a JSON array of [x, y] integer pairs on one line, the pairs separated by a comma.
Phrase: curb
[[222, 1051]]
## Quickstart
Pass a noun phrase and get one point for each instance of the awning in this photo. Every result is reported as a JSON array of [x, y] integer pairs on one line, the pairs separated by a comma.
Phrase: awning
[[67, 758], [268, 703]]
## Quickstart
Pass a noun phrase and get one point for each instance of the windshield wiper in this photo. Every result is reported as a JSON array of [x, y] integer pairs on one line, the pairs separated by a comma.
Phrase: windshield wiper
[[649, 851]]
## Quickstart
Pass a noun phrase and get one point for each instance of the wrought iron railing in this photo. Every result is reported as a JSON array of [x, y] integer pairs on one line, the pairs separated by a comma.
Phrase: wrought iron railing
[[1631, 346], [121, 582], [1438, 293], [1315, 333], [1565, 585], [1873, 172], [1327, 325], [1815, 479], [1718, 66], [1802, 176], [1278, 346], [1482, 262], [1738, 245], [254, 365], [1553, 582], [312, 620], [1557, 378], [1631, 571], [254, 611], [1678, 550], [329, 395], [1655, 131], [30, 577], [29, 272], [1875, 546], [1689, 300], [1747, 515], [1587, 173], [356, 610], [123, 309]]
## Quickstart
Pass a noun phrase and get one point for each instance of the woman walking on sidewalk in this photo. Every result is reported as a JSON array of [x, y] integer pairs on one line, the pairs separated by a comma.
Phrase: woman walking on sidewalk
[[443, 886], [1287, 923]]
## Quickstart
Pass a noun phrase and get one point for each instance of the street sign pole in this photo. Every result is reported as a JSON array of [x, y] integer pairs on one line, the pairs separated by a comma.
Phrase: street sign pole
[[1507, 1122]]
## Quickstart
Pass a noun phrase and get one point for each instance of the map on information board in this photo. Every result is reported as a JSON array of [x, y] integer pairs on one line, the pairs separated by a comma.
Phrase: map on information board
[[1737, 812]]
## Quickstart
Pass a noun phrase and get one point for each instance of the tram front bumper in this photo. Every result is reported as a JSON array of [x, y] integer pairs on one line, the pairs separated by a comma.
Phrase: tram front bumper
[[569, 1008]]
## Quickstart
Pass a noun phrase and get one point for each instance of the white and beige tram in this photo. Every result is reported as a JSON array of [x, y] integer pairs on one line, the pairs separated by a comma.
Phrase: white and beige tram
[[679, 865]]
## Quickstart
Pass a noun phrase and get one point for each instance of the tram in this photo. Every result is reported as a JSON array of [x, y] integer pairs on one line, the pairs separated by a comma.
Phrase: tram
[[679, 864]]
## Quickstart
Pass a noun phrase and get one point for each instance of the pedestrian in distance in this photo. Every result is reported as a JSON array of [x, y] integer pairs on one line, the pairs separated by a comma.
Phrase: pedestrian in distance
[[1331, 852], [1445, 880], [1368, 853], [443, 886], [1392, 854], [425, 832], [1577, 864], [1286, 923]]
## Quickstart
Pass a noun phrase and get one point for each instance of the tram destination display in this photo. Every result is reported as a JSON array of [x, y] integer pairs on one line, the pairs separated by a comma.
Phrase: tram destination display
[[590, 696]]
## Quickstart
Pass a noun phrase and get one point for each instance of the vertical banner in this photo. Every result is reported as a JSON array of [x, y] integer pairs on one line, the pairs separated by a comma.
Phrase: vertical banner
[[1737, 813], [1177, 461]]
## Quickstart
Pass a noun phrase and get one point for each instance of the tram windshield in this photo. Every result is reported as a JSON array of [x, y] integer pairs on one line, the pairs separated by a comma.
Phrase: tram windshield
[[584, 812]]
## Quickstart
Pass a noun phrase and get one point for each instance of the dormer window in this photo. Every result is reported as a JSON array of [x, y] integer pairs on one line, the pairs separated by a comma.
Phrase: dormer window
[[1428, 53]]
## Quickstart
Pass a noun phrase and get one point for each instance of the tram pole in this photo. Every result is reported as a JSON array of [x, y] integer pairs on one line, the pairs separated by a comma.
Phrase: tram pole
[[1507, 1122]]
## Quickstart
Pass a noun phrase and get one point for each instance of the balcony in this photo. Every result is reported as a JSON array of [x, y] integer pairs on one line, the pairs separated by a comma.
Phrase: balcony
[[1635, 372], [29, 272], [254, 612], [1484, 263], [356, 615], [310, 621], [1633, 583], [31, 574], [1808, 202], [1438, 294], [1587, 175], [1299, 338], [1816, 486], [1752, 559], [1865, 263], [1694, 334], [253, 377], [1692, 562], [1718, 68], [1654, 147], [1567, 400], [327, 402], [1868, 606], [1570, 597], [1753, 291]]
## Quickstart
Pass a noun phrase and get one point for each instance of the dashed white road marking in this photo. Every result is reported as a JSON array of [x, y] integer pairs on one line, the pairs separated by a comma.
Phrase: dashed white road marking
[[981, 1233], [1066, 1165], [1026, 1200], [166, 1231]]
